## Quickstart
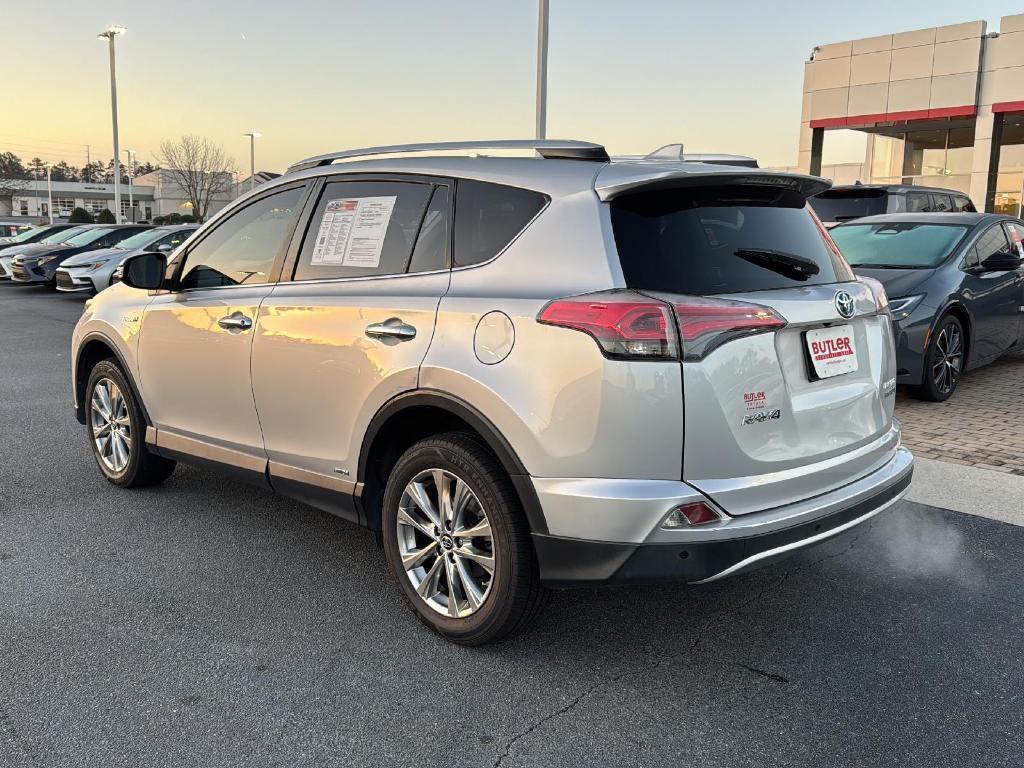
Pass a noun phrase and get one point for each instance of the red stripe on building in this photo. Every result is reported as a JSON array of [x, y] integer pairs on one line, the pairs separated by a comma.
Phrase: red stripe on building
[[862, 121], [1008, 106]]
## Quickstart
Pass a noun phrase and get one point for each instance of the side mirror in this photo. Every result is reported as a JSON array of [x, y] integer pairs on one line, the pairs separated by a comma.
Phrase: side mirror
[[1001, 262], [165, 248], [145, 271]]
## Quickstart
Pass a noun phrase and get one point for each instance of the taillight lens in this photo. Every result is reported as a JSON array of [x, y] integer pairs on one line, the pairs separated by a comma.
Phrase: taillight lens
[[626, 325], [706, 324], [689, 515]]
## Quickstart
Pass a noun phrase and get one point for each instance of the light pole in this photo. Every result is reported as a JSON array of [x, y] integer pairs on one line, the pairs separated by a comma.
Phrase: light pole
[[542, 68], [253, 135], [109, 34], [131, 175], [49, 193]]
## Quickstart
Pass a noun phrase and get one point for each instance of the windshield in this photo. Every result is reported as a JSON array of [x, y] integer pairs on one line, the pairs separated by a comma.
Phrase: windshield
[[62, 235], [722, 240], [142, 239], [28, 234], [846, 204], [898, 244], [89, 236]]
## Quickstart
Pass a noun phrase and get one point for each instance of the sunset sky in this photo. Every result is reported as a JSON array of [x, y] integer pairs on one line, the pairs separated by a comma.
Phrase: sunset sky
[[313, 75]]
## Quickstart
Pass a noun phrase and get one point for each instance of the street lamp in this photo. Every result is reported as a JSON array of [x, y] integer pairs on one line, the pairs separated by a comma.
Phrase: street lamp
[[253, 135], [109, 34], [131, 175], [542, 68], [49, 193]]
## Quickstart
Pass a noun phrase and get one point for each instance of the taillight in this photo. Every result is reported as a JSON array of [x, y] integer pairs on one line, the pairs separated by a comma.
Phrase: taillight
[[688, 515], [625, 325], [706, 324]]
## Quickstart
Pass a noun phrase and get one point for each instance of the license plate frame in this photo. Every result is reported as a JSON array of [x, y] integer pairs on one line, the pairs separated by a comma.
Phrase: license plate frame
[[837, 362]]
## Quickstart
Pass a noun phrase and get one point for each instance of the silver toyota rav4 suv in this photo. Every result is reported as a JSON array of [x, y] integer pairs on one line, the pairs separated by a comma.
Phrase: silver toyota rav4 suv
[[521, 372]]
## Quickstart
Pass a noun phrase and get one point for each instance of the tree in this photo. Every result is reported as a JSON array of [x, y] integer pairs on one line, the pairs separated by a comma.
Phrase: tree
[[63, 172], [13, 177], [106, 216], [200, 167], [80, 216], [94, 172], [143, 169], [159, 221]]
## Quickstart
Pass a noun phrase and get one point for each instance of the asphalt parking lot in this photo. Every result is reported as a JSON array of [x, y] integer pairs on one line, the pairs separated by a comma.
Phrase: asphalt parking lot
[[211, 624]]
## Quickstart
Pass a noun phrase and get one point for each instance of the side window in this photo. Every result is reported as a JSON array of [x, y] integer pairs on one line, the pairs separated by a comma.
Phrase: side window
[[363, 229], [242, 248], [917, 202], [964, 205], [173, 240], [941, 204], [113, 238], [431, 251], [488, 217], [992, 240]]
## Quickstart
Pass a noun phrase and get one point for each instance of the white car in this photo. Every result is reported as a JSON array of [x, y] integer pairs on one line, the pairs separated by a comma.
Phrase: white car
[[91, 271]]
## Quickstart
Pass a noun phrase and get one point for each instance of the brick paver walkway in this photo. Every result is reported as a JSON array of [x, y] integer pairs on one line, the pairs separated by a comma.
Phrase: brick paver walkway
[[982, 424]]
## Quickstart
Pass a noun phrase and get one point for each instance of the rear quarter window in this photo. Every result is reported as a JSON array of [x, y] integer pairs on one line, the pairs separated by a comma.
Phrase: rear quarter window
[[490, 216], [723, 240]]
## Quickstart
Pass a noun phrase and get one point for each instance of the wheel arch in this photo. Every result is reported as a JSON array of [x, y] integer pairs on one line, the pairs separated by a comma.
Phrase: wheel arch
[[412, 416], [96, 347], [958, 310]]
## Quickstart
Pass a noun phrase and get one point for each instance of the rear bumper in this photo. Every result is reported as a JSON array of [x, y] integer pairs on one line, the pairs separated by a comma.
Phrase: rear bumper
[[737, 545]]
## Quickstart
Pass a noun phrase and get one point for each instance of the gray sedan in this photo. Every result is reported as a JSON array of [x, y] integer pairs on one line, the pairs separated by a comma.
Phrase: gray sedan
[[90, 272], [956, 289]]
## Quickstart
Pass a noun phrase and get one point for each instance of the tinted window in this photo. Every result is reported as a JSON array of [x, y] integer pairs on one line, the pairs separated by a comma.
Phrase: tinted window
[[903, 244], [846, 204], [431, 251], [1016, 233], [488, 217], [725, 240], [117, 236], [941, 204], [173, 240], [918, 202], [242, 248], [362, 229], [992, 240]]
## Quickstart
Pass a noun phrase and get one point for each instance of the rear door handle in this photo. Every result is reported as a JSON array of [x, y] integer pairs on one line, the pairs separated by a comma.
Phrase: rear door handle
[[235, 321], [392, 327]]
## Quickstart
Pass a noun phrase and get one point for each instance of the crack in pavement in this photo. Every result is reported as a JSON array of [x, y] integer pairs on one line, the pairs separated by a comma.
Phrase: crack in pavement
[[712, 621]]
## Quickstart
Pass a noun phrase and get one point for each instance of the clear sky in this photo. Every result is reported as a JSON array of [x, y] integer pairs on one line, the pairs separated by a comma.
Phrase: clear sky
[[317, 75]]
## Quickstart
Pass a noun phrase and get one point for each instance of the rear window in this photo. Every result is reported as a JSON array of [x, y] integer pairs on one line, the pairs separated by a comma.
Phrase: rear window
[[722, 240], [847, 204], [488, 217], [905, 245]]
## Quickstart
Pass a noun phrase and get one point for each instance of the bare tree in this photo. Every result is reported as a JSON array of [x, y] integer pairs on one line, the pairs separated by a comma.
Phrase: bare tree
[[200, 167]]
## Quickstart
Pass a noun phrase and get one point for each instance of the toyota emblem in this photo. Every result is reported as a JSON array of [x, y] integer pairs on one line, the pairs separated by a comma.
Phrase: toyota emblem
[[844, 303]]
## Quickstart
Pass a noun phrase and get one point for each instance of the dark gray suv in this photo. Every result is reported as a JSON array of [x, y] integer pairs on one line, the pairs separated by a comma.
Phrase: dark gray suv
[[846, 203]]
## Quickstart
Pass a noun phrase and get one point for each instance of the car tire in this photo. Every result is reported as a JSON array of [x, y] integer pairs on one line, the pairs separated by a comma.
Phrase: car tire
[[487, 606], [111, 410], [943, 361]]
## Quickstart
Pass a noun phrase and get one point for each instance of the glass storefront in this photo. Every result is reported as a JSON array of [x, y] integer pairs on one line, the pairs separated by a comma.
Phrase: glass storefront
[[931, 158], [1010, 179]]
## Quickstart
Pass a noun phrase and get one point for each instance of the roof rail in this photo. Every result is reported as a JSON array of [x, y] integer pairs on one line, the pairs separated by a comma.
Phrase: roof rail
[[568, 150]]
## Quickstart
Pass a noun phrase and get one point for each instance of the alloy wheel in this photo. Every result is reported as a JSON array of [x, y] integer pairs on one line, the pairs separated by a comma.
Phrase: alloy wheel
[[111, 425], [445, 543], [948, 358]]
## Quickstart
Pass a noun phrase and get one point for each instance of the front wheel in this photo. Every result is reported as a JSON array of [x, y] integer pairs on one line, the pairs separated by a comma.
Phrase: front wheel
[[943, 361], [116, 431], [457, 541]]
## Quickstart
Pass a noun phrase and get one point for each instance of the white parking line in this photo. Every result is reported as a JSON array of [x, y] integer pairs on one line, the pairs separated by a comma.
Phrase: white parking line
[[972, 490]]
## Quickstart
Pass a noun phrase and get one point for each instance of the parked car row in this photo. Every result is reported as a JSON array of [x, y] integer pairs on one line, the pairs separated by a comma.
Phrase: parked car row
[[82, 257]]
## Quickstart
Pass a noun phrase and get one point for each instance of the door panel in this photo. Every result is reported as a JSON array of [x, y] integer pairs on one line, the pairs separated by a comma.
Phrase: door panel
[[993, 299], [195, 373], [319, 377]]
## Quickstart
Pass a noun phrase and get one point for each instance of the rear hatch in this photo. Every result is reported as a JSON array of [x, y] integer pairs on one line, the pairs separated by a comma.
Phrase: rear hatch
[[787, 361], [834, 206]]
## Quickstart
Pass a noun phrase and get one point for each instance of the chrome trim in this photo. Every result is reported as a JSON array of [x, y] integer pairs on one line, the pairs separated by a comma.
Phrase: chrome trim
[[305, 476], [794, 545], [199, 449]]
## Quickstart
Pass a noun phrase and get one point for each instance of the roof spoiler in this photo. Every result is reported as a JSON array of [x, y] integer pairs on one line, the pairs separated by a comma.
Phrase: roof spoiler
[[608, 187]]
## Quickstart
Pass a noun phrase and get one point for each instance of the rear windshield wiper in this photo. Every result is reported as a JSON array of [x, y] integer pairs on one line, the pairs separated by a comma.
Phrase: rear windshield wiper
[[788, 264]]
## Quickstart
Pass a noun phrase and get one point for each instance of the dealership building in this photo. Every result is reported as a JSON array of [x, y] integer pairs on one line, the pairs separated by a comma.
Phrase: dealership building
[[941, 107]]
